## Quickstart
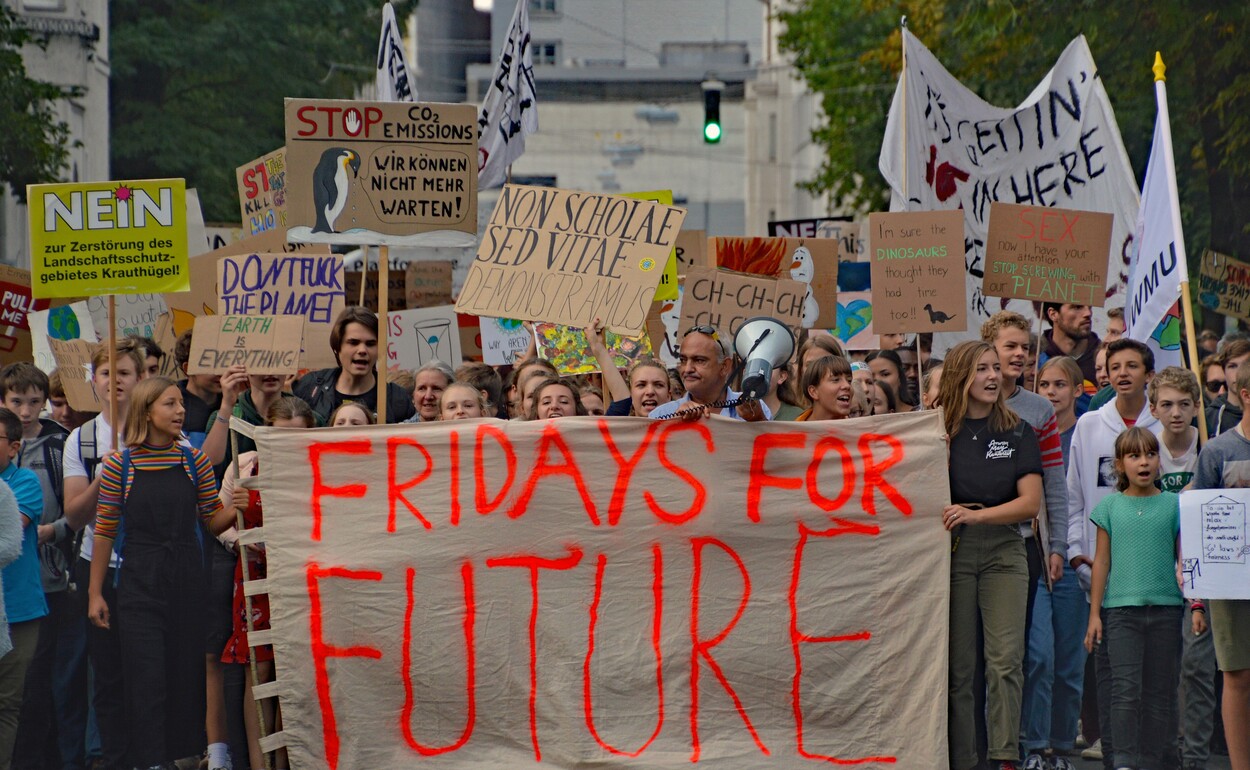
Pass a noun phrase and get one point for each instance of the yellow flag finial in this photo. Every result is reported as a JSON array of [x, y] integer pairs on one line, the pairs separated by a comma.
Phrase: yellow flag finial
[[1159, 68]]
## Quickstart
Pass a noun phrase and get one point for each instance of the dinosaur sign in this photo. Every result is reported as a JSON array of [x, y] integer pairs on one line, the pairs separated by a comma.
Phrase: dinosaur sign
[[917, 272], [381, 173]]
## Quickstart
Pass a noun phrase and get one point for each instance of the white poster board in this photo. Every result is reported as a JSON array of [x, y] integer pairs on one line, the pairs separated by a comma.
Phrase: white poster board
[[1215, 553], [422, 335]]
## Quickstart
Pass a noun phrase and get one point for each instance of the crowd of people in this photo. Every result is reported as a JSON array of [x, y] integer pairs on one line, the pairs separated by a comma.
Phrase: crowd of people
[[123, 594]]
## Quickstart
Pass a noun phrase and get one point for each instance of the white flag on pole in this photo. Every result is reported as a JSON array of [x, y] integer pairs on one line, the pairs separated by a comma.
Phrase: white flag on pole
[[510, 110], [394, 82], [1157, 266]]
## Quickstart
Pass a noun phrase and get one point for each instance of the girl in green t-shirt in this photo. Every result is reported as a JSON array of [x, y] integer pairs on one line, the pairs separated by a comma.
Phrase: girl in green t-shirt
[[1136, 605]]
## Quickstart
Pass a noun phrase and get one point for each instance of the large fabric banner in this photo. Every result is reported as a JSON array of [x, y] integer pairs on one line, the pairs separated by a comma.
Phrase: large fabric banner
[[610, 592], [1061, 147]]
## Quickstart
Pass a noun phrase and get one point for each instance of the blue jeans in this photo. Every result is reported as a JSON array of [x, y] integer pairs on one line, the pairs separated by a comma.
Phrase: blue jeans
[[1144, 647], [1055, 665]]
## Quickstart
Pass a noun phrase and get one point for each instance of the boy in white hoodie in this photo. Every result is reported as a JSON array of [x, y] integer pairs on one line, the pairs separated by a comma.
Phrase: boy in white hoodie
[[1091, 477]]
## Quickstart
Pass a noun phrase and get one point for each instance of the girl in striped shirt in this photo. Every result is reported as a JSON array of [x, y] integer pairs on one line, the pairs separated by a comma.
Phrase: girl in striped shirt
[[155, 499]]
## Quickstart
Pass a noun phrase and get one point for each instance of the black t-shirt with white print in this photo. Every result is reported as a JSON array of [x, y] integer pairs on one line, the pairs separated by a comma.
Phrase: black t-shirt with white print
[[986, 465]]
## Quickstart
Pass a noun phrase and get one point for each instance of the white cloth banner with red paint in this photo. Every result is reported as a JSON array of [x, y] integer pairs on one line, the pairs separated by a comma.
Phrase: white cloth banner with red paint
[[1061, 147], [610, 592]]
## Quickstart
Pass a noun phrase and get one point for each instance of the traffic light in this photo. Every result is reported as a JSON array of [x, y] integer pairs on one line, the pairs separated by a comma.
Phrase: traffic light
[[711, 111]]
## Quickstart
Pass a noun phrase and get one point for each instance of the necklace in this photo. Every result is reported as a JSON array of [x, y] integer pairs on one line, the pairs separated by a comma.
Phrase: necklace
[[976, 433]]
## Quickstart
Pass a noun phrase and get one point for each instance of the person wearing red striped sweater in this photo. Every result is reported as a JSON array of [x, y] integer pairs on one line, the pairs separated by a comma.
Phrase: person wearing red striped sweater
[[160, 496]]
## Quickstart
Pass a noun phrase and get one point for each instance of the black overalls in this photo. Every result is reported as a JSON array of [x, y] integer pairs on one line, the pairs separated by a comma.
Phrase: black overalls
[[161, 595]]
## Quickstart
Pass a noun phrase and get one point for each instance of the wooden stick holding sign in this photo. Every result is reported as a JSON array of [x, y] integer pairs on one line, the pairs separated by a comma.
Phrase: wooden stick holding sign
[[113, 368]]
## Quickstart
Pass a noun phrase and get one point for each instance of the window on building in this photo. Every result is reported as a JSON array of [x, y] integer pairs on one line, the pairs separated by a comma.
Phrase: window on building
[[544, 6], [772, 137], [546, 54]]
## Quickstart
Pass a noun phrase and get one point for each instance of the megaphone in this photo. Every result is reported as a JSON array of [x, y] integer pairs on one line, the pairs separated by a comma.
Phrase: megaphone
[[763, 343]]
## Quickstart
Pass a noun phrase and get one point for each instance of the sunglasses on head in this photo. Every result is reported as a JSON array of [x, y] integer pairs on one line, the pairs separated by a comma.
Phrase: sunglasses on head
[[709, 331]]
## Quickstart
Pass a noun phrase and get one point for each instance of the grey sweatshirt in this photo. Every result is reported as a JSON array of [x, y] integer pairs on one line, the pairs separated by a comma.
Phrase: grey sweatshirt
[[1039, 414]]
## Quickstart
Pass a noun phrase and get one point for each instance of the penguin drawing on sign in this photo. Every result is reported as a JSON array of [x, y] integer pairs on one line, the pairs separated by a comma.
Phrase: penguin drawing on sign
[[803, 268], [331, 185]]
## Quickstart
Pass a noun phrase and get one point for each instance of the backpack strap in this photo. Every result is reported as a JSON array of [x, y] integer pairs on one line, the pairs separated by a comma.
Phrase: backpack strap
[[53, 462], [88, 449]]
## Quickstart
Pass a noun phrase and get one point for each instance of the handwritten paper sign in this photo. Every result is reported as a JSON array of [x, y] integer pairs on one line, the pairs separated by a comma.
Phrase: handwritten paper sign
[[101, 238], [668, 280], [848, 234], [664, 328], [566, 348], [73, 358], [262, 193], [419, 336], [379, 173], [1047, 254], [724, 300], [504, 340], [570, 257], [1215, 548], [263, 344], [16, 304], [854, 329], [307, 285], [917, 272], [63, 323], [811, 261], [428, 283], [498, 594], [1224, 285]]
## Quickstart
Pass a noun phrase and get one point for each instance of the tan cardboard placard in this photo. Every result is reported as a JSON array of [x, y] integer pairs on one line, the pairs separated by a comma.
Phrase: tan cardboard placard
[[1047, 254], [691, 249], [917, 272], [381, 173], [569, 257], [428, 284], [307, 285], [1224, 285], [265, 344], [811, 261], [396, 298], [262, 193], [75, 356], [724, 300]]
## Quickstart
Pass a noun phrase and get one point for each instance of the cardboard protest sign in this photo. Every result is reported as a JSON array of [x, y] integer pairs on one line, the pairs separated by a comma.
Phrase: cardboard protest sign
[[1047, 254], [724, 300], [470, 337], [16, 304], [566, 348], [101, 238], [691, 249], [428, 283], [841, 229], [1215, 543], [308, 285], [495, 594], [64, 323], [265, 344], [139, 315], [504, 340], [419, 336], [396, 297], [570, 257], [1224, 285], [668, 280], [262, 193], [811, 261], [381, 173], [854, 329], [73, 358], [917, 271]]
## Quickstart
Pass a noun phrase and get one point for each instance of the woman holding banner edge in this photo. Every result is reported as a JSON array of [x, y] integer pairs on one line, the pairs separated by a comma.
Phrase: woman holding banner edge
[[995, 483]]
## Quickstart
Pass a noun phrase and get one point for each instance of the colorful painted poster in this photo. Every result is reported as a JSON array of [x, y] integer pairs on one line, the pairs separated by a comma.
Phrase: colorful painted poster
[[262, 193], [567, 349], [63, 323], [100, 238], [854, 329], [504, 340]]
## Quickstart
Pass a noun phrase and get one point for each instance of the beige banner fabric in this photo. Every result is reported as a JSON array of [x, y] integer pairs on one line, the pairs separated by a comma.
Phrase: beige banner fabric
[[618, 593]]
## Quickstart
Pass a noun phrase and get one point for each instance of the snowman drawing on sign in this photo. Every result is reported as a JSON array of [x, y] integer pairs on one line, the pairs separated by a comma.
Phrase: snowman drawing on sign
[[670, 315], [803, 268]]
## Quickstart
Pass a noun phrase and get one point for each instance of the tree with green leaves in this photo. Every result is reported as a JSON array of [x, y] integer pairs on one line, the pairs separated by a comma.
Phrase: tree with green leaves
[[198, 85], [850, 54], [33, 142]]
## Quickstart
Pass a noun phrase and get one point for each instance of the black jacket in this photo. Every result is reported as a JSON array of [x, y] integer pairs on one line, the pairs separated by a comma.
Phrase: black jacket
[[317, 388]]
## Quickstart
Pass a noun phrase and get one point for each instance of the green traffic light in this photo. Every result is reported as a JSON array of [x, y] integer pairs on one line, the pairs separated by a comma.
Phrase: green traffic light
[[711, 133]]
